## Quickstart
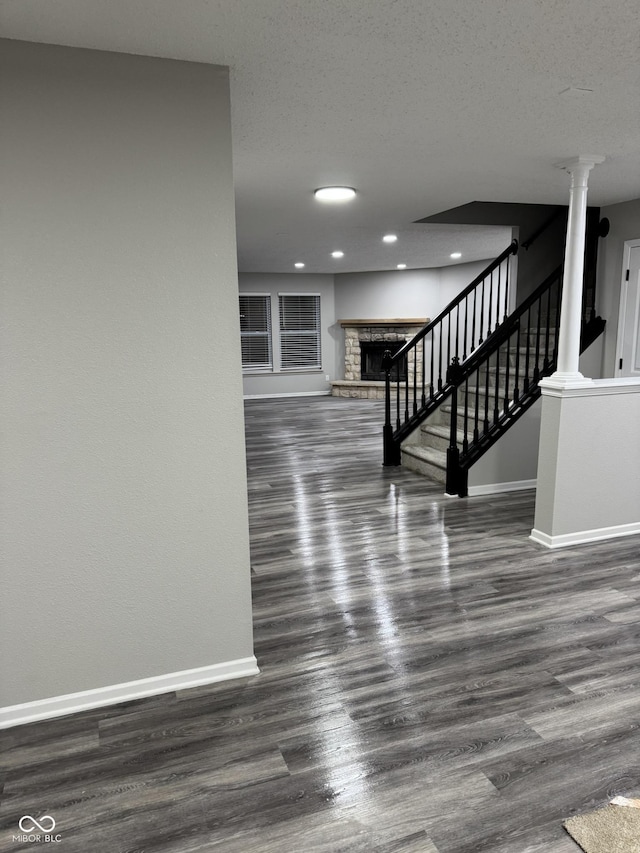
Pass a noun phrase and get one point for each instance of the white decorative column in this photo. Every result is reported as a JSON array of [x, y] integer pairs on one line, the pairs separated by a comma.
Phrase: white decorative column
[[556, 495], [567, 373]]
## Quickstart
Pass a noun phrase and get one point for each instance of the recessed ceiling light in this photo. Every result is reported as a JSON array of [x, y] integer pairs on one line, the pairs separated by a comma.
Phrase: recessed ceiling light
[[455, 255], [402, 266], [334, 193], [299, 265], [390, 238], [337, 254]]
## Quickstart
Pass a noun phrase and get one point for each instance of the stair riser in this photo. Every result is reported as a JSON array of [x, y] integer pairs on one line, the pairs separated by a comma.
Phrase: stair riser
[[421, 466], [438, 442]]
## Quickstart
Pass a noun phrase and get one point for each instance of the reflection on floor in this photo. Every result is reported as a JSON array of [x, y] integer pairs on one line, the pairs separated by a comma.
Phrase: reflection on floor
[[431, 681]]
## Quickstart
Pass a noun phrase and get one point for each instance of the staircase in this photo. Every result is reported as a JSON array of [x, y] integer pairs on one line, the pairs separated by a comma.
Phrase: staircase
[[426, 449], [472, 373]]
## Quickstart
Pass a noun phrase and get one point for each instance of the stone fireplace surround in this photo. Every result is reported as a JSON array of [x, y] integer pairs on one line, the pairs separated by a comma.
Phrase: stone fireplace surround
[[370, 330]]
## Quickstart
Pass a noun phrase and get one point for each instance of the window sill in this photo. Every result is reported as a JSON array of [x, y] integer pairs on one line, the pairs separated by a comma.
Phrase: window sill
[[291, 371]]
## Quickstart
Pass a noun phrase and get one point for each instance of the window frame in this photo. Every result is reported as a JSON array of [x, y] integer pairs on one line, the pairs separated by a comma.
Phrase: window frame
[[301, 334], [257, 334]]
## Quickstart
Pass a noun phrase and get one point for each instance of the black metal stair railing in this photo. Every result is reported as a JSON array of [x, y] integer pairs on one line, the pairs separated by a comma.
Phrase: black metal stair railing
[[416, 376], [499, 381]]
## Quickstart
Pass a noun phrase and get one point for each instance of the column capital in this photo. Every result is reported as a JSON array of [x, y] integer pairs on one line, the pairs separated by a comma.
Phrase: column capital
[[584, 162]]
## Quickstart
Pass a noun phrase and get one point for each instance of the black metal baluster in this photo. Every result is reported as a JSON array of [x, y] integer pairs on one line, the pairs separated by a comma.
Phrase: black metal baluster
[[558, 304], [473, 322], [506, 290], [398, 424], [486, 395], [498, 296], [476, 434], [424, 358], [536, 370], [547, 330], [481, 338], [406, 389], [415, 380], [506, 375], [516, 389], [449, 339], [433, 343], [496, 400], [465, 440], [490, 308], [528, 344], [440, 360], [457, 352], [466, 328]]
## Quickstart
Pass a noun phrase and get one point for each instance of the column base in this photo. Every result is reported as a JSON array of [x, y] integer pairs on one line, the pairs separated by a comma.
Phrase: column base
[[564, 381]]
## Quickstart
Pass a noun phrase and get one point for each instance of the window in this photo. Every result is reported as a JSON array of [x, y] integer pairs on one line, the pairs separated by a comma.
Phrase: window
[[255, 331], [299, 331]]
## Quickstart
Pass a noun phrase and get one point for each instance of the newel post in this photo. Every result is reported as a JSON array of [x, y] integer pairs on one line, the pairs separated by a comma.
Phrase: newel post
[[454, 481], [391, 447]]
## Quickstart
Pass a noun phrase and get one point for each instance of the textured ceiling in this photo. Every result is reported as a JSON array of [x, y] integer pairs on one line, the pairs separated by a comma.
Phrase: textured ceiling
[[422, 105]]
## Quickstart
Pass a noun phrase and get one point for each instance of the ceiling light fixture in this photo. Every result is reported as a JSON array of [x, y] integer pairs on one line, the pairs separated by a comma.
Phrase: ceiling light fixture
[[455, 255], [337, 254], [402, 266], [334, 193], [389, 238], [299, 265]]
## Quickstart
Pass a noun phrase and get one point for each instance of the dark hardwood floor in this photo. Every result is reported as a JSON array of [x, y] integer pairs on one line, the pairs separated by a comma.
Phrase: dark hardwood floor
[[431, 681]]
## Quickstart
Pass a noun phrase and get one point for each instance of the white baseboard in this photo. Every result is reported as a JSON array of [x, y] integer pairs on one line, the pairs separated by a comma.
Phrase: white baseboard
[[58, 706], [497, 488], [288, 394], [583, 536]]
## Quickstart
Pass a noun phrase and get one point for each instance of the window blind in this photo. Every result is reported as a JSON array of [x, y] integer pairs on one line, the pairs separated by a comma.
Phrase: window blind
[[255, 331], [299, 331]]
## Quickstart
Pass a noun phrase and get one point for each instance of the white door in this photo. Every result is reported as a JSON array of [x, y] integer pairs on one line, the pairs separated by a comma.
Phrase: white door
[[628, 351]]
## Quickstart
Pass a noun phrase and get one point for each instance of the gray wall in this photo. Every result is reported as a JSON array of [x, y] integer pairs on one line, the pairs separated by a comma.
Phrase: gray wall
[[512, 462], [625, 225], [124, 517], [544, 255], [387, 294], [401, 293], [274, 383]]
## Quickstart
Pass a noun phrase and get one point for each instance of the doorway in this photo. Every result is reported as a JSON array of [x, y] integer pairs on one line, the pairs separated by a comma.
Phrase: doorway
[[628, 346]]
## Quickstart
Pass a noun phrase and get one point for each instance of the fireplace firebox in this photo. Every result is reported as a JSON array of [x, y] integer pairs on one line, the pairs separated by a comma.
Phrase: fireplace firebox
[[371, 354]]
